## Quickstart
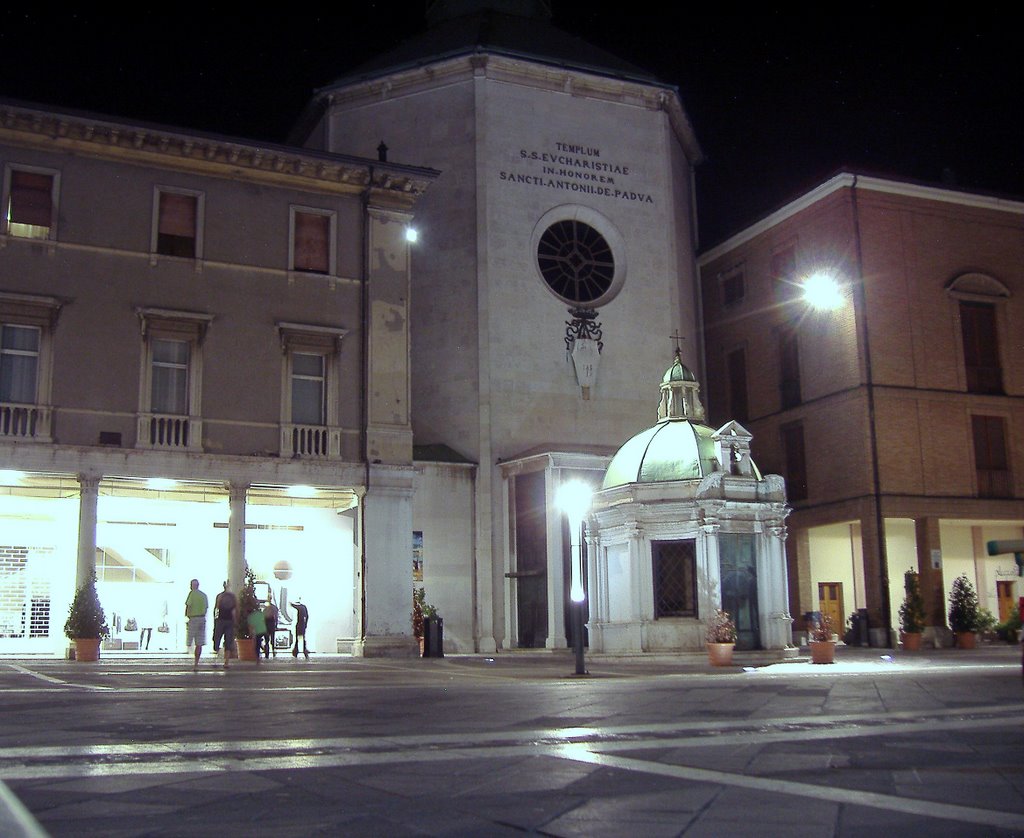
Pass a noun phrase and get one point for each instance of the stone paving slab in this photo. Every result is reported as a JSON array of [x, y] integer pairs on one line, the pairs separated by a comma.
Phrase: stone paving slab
[[477, 746]]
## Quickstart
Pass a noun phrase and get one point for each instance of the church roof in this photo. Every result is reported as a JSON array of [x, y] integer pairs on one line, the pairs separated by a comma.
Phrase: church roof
[[517, 28]]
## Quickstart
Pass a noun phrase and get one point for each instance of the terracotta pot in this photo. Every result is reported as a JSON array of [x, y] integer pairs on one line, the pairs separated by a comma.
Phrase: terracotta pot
[[246, 647], [87, 648], [823, 651], [720, 654], [911, 641], [966, 640]]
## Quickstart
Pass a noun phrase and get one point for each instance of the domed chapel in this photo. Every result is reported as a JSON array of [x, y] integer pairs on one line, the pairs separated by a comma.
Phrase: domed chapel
[[685, 523]]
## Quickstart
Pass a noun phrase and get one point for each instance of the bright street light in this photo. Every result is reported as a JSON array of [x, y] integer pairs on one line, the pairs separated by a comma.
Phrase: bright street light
[[573, 498], [821, 291]]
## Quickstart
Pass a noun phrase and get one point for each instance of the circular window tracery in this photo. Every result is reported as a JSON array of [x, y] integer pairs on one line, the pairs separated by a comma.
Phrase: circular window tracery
[[575, 261]]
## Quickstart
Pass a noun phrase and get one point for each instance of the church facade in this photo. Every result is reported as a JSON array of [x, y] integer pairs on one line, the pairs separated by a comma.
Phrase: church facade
[[555, 264]]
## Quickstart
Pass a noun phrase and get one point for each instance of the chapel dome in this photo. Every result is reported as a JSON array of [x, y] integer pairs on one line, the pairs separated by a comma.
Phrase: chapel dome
[[680, 446], [678, 372], [672, 450]]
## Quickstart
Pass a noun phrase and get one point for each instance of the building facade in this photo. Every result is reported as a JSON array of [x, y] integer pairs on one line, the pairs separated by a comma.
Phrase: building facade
[[556, 263], [204, 364], [896, 415]]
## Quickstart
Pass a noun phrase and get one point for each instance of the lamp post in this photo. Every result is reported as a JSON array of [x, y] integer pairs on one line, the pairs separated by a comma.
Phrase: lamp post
[[573, 498]]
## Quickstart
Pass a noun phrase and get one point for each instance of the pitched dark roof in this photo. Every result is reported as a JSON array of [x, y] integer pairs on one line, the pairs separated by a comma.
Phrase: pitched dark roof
[[512, 29]]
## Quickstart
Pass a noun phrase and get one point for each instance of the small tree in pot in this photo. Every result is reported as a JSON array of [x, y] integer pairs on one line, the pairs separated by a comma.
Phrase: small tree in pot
[[86, 623], [247, 604], [823, 647], [963, 612], [720, 638], [911, 612]]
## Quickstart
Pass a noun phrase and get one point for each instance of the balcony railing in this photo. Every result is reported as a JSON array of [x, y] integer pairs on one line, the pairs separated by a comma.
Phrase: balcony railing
[[169, 432], [30, 422], [311, 441]]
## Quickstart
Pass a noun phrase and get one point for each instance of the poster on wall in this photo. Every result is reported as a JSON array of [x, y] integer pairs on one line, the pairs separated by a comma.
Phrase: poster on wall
[[417, 556]]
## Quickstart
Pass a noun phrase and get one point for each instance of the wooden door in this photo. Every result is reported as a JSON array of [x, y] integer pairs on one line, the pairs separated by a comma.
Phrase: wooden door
[[1004, 595], [830, 604]]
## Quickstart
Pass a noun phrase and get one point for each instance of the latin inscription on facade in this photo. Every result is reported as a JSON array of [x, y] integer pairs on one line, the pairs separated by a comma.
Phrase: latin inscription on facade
[[574, 168]]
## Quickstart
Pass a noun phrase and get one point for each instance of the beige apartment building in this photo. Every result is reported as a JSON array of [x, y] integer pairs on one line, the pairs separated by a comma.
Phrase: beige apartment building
[[895, 416], [204, 364]]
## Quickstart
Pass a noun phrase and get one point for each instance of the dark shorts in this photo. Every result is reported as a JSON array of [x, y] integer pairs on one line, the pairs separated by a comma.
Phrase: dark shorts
[[224, 629]]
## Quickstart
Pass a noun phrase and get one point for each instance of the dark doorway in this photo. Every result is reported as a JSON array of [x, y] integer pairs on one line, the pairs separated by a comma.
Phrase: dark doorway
[[738, 567], [531, 573]]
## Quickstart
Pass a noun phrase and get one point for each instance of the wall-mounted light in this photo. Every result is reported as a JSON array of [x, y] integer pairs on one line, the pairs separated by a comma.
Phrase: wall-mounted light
[[821, 291], [411, 235]]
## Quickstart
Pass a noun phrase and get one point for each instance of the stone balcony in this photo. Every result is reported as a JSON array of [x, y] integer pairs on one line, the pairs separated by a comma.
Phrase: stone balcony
[[27, 422]]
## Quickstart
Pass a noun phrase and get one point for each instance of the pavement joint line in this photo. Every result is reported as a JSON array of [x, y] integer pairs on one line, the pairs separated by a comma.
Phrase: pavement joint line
[[853, 797], [51, 680], [602, 739], [579, 753]]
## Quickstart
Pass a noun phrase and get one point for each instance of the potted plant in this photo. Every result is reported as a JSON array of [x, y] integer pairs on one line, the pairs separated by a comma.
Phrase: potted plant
[[247, 604], [720, 638], [823, 647], [418, 595], [911, 612], [963, 612], [86, 623], [1009, 629], [427, 625]]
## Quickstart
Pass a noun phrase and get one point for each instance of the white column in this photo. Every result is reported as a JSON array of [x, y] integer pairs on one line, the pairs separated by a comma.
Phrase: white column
[[387, 564], [89, 492], [709, 589], [556, 638], [236, 534], [773, 589]]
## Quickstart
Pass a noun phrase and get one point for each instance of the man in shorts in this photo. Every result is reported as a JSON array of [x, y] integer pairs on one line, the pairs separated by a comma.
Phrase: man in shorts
[[224, 623], [196, 606]]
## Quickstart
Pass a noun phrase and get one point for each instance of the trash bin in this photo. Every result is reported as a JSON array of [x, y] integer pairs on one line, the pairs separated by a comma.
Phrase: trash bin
[[433, 637], [862, 625]]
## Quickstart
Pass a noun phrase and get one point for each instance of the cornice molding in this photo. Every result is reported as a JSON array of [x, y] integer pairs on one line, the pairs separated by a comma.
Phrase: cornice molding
[[514, 70], [392, 185], [847, 180]]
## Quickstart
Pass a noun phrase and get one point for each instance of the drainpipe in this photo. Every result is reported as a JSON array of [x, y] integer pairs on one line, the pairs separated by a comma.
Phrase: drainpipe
[[365, 374], [876, 483]]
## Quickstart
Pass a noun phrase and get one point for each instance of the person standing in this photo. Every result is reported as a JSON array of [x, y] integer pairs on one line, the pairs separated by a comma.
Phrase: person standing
[[224, 623], [196, 606], [301, 622], [258, 629], [270, 614]]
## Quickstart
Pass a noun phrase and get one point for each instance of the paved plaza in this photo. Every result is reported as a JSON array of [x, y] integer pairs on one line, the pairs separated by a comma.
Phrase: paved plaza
[[927, 744]]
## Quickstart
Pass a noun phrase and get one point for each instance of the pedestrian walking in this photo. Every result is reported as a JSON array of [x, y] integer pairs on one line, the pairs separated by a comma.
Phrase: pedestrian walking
[[301, 622], [196, 606], [270, 613], [224, 623]]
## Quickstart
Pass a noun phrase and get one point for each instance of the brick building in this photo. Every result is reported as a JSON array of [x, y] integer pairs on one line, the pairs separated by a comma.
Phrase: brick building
[[895, 416]]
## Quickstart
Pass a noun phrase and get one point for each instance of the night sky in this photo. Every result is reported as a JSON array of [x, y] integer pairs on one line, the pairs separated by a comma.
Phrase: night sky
[[780, 97]]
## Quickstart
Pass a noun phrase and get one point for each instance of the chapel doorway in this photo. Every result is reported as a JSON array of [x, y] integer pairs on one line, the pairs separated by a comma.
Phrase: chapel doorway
[[738, 571]]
